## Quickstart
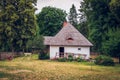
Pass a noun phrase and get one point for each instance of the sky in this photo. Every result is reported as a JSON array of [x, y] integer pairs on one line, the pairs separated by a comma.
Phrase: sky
[[62, 4]]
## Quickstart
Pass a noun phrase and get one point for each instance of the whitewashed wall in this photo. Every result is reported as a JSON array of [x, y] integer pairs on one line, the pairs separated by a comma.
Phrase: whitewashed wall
[[67, 49], [53, 50]]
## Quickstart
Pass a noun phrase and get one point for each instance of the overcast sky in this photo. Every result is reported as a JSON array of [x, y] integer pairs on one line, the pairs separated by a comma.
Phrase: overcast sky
[[63, 4]]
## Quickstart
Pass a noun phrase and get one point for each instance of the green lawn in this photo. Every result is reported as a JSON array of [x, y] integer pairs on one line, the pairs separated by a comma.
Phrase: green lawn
[[29, 68]]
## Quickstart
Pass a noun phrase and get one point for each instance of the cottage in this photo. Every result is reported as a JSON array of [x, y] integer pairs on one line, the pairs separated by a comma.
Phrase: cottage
[[68, 41]]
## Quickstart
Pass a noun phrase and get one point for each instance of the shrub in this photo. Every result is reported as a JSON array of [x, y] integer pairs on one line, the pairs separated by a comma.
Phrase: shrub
[[43, 56], [104, 60], [62, 59], [70, 58], [79, 59]]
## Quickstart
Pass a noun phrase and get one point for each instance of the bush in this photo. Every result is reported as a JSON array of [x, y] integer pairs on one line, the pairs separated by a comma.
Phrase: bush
[[43, 56], [62, 59], [70, 58], [80, 59], [104, 60]]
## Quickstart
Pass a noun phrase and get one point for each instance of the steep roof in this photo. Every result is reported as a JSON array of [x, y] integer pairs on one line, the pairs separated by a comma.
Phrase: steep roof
[[68, 36]]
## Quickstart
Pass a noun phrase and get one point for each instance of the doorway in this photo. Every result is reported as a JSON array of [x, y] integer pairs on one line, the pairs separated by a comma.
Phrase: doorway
[[61, 51]]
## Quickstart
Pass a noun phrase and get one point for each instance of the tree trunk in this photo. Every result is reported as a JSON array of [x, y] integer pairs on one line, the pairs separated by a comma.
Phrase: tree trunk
[[12, 49], [119, 59], [23, 50]]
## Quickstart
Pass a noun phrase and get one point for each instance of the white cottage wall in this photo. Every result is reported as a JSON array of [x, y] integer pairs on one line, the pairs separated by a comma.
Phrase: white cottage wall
[[53, 50], [68, 49]]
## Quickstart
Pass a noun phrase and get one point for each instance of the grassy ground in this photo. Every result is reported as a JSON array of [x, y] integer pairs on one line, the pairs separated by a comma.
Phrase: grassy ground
[[29, 68]]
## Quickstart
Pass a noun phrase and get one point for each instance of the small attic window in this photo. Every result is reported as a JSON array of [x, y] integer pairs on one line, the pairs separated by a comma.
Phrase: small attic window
[[69, 38], [79, 48]]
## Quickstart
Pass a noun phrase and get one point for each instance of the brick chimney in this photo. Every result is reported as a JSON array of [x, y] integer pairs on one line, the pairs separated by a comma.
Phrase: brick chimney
[[65, 23]]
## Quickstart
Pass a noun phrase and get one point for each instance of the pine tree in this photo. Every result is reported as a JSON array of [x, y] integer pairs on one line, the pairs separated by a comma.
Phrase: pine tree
[[72, 17]]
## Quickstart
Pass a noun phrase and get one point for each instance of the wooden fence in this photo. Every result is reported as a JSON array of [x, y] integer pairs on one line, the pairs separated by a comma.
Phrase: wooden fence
[[9, 55]]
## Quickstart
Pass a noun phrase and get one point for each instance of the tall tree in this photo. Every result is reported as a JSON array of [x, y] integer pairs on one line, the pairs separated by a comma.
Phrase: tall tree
[[83, 22], [103, 21], [27, 21], [83, 28], [115, 8], [50, 20], [17, 23], [99, 20], [112, 46], [73, 16]]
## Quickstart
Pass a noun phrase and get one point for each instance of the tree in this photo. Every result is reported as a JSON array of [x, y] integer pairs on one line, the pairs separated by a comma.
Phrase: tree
[[112, 46], [103, 21], [73, 16], [83, 28], [36, 42], [99, 21], [17, 23], [83, 22], [50, 20], [27, 21], [115, 8], [7, 17]]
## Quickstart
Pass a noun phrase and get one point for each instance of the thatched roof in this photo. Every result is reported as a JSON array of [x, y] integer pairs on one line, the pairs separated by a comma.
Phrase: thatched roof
[[67, 36]]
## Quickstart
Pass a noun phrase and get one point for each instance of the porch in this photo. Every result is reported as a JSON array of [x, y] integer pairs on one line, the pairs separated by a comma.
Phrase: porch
[[75, 55]]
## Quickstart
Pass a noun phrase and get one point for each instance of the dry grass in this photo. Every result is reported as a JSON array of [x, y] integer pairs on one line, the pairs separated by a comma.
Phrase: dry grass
[[29, 68]]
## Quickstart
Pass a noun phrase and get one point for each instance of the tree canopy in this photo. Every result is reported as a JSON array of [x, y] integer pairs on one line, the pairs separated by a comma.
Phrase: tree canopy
[[17, 23], [103, 24], [50, 20], [115, 8]]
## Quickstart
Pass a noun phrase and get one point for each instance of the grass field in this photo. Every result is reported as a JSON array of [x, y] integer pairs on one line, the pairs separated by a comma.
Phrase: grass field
[[29, 68]]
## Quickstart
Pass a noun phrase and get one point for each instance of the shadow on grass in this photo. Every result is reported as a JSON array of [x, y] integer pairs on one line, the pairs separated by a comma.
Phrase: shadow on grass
[[11, 76], [6, 75]]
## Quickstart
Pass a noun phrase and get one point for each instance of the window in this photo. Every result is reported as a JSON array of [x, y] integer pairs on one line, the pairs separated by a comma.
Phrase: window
[[70, 39], [79, 48]]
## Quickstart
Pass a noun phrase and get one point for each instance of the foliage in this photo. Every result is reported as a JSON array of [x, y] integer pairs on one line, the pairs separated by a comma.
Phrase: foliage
[[102, 21], [104, 60], [43, 56], [62, 59], [112, 46], [17, 23], [80, 59], [115, 8], [36, 43], [50, 20], [70, 58], [83, 28], [72, 17], [83, 21]]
